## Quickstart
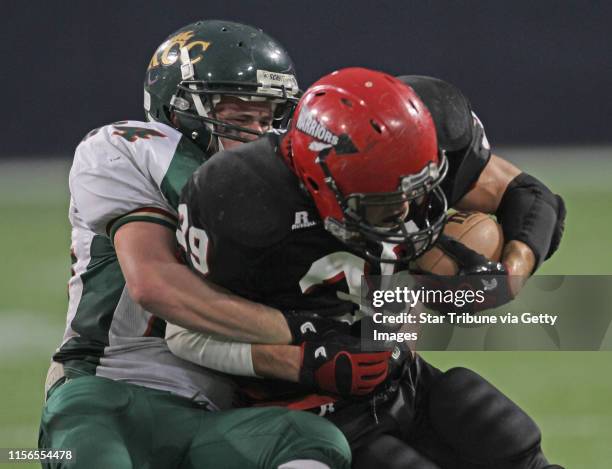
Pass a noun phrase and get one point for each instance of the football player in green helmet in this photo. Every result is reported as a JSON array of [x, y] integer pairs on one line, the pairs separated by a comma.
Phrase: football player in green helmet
[[116, 396], [201, 77]]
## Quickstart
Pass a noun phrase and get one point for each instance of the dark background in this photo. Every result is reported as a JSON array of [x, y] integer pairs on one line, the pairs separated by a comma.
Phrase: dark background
[[537, 72]]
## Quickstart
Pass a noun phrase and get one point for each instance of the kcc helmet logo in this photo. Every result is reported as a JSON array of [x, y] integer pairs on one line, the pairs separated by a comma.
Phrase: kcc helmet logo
[[169, 51]]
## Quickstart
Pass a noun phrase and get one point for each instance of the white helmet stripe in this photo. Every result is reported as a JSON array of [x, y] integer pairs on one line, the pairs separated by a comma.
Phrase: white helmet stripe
[[188, 73]]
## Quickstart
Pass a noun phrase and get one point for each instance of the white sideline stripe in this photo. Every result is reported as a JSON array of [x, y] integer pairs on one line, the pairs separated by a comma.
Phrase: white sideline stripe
[[26, 334], [47, 177], [46, 181]]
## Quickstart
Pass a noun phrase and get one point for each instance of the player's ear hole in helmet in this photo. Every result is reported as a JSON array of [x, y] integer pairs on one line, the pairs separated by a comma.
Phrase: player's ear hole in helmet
[[364, 145], [198, 65]]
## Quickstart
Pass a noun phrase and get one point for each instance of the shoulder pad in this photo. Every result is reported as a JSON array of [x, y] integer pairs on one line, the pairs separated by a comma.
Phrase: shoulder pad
[[247, 194], [450, 109], [151, 147], [127, 166], [131, 132]]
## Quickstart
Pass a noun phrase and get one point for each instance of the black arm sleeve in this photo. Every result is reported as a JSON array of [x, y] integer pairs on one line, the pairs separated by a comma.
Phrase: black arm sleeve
[[531, 213]]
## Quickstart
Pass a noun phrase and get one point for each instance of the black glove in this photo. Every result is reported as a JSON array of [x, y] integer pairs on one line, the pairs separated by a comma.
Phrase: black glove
[[476, 272], [339, 366], [469, 261], [307, 325]]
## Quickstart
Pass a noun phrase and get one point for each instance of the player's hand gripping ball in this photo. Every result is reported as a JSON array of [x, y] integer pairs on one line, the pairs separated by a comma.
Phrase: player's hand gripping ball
[[476, 231], [467, 256]]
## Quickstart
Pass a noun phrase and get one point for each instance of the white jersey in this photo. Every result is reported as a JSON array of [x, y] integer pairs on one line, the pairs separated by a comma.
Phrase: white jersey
[[127, 171]]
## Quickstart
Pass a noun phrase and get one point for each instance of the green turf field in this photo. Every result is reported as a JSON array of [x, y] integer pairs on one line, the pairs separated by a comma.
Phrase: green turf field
[[569, 394]]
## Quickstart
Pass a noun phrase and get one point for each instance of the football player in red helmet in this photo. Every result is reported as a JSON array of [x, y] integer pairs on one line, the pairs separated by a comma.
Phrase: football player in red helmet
[[365, 147], [294, 220]]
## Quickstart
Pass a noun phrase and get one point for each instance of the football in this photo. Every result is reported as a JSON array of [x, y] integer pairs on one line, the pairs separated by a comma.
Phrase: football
[[476, 230]]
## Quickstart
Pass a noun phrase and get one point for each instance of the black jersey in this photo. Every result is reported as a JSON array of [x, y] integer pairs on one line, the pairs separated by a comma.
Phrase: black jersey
[[250, 226]]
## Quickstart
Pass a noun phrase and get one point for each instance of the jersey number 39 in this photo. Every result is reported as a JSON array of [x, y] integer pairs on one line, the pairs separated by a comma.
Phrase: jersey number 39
[[193, 240]]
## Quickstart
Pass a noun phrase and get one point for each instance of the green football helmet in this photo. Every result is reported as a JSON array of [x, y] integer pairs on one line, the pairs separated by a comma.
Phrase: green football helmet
[[198, 64]]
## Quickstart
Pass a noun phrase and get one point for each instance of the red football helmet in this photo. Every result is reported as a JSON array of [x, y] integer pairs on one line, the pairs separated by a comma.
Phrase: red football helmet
[[365, 147]]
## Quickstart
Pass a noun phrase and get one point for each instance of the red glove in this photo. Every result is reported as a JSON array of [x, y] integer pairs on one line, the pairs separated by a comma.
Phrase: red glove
[[339, 366]]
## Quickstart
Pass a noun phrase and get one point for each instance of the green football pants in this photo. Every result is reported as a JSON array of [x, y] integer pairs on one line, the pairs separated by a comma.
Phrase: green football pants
[[110, 424]]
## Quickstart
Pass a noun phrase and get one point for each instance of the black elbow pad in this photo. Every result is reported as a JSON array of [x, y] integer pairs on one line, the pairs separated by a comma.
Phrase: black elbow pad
[[531, 213], [559, 227]]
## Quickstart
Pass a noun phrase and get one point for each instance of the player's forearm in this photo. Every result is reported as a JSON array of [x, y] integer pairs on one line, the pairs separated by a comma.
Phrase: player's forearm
[[212, 352], [226, 356], [161, 284], [532, 217], [277, 361], [179, 296]]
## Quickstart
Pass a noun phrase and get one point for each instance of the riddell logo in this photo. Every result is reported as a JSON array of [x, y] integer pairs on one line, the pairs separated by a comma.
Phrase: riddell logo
[[310, 126], [302, 221]]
